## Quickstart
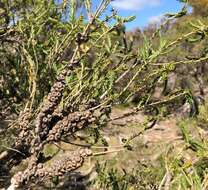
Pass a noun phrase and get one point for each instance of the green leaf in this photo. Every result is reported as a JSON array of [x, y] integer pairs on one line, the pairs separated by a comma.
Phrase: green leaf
[[198, 37], [130, 19], [88, 5], [72, 10]]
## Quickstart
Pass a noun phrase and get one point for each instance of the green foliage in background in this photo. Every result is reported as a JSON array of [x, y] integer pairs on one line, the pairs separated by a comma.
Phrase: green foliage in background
[[108, 65]]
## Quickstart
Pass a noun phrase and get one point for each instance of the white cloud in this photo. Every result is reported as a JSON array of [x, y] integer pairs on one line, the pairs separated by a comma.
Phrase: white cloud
[[156, 19], [134, 4]]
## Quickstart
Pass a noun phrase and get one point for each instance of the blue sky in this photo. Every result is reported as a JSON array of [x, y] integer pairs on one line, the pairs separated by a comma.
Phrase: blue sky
[[146, 11]]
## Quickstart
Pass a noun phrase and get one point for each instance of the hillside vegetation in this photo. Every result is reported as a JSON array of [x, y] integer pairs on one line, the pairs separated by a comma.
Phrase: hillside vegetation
[[85, 104]]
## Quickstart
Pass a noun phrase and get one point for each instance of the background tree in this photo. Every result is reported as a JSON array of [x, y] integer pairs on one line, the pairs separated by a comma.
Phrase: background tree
[[199, 7], [65, 71]]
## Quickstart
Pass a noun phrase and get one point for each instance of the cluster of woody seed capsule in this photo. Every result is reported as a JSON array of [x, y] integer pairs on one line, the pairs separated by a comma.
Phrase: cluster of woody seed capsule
[[66, 163], [21, 177], [53, 99], [25, 136], [71, 123]]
